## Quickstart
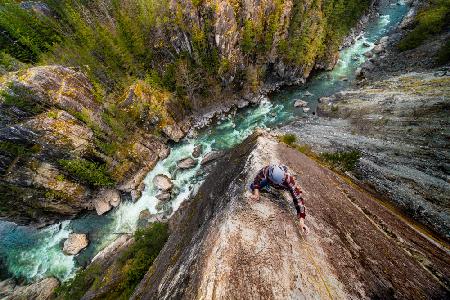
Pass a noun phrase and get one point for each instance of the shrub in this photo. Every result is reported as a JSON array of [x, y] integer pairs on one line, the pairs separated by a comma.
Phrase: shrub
[[86, 171], [444, 53], [289, 139], [342, 160]]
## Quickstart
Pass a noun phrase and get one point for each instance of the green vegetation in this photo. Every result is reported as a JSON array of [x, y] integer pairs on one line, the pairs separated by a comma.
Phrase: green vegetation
[[125, 273], [317, 31], [289, 139], [21, 98], [88, 172], [432, 20], [25, 35], [342, 160], [444, 53]]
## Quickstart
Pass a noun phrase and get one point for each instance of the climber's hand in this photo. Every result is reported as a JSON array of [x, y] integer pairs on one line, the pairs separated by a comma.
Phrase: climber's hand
[[255, 195], [304, 228]]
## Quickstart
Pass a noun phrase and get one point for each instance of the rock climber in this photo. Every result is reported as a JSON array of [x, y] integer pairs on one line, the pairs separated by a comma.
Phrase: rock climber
[[278, 177]]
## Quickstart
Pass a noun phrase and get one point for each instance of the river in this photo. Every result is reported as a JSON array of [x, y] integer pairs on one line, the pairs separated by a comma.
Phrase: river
[[31, 254]]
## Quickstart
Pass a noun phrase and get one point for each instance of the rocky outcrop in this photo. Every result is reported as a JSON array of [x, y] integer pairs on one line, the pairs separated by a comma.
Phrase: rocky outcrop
[[400, 125], [75, 243], [210, 157], [40, 290], [50, 114], [173, 132], [224, 245]]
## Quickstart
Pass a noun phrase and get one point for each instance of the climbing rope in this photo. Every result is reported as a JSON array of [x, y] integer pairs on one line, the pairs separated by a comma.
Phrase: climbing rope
[[318, 270]]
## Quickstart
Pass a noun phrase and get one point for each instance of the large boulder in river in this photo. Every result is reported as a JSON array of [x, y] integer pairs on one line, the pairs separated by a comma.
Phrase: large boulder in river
[[75, 243], [164, 196], [300, 103], [186, 163], [163, 182], [105, 200], [173, 132], [198, 149]]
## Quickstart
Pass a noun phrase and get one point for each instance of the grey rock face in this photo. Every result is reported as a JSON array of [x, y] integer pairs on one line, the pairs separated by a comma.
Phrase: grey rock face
[[211, 156], [400, 125]]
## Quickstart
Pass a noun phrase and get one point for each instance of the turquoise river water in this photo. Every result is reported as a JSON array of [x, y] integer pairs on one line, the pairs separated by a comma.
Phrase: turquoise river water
[[31, 254]]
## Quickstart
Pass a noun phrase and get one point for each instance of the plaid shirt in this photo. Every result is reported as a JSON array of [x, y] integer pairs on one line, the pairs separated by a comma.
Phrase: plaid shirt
[[262, 179]]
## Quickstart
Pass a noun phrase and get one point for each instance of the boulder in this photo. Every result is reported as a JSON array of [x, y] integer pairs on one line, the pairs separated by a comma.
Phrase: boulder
[[101, 206], [242, 104], [186, 163], [105, 200], [307, 94], [211, 156], [163, 182], [378, 49], [41, 290], [368, 54], [164, 196], [198, 149], [300, 103], [366, 44], [306, 109], [75, 243], [173, 132]]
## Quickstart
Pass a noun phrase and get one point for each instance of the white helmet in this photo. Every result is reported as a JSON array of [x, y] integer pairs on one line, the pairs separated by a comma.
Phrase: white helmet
[[277, 174]]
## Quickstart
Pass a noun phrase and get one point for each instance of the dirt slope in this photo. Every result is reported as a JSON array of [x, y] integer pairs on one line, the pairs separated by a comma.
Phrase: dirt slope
[[228, 247]]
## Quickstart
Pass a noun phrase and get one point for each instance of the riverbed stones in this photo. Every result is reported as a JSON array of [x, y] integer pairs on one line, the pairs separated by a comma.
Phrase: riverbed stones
[[186, 163], [211, 156], [366, 44], [164, 196], [106, 199], [198, 149], [308, 94], [163, 182], [173, 132], [75, 243], [300, 103]]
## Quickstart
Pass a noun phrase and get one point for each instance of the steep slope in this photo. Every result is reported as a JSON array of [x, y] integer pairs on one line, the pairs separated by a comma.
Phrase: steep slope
[[225, 246]]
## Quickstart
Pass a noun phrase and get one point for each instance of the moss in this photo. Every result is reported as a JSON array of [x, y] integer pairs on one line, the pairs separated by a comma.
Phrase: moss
[[88, 172]]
